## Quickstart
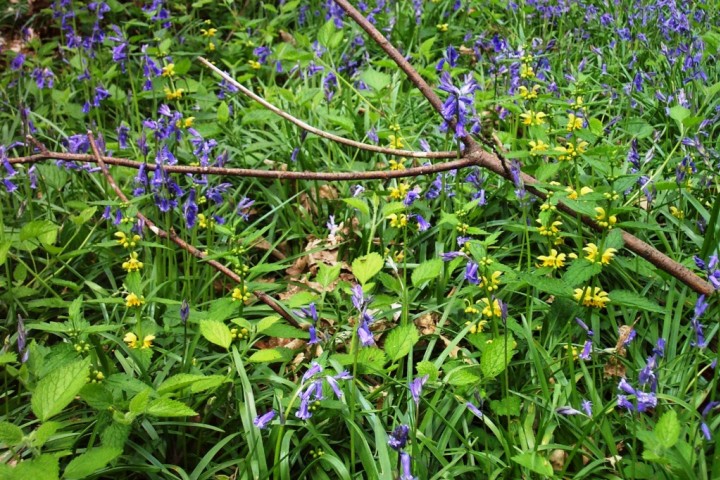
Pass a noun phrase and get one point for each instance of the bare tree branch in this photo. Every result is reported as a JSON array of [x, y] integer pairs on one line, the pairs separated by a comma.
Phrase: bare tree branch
[[263, 297], [493, 163], [322, 133]]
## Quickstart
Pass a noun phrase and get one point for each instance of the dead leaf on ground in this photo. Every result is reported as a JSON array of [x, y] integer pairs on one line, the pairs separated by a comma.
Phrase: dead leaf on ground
[[427, 323]]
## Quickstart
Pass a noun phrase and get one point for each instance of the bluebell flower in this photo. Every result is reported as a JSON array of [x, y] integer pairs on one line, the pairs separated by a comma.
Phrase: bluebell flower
[[704, 428], [423, 224], [416, 387], [471, 273], [406, 467], [645, 401], [372, 135], [365, 335], [700, 306], [568, 411], [22, 340], [314, 369], [184, 311], [262, 53], [411, 196], [435, 188], [44, 77], [333, 382], [475, 410], [586, 406], [398, 438], [262, 421], [17, 62], [190, 210], [450, 58], [459, 106], [123, 136], [243, 208]]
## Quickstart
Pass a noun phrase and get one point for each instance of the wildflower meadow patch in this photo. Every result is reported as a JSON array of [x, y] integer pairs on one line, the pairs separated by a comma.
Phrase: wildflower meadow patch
[[384, 239]]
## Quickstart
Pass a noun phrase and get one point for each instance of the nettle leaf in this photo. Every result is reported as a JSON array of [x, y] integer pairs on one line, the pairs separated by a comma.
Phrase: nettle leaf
[[375, 80], [223, 112], [580, 271], [509, 406], [553, 286], [534, 462], [56, 390], [427, 368], [463, 376], [270, 355], [365, 268], [40, 436], [45, 467], [369, 360], [327, 274], [10, 434], [216, 333], [400, 341], [427, 271], [667, 429], [167, 407], [91, 461], [356, 203], [627, 298], [178, 382], [496, 356]]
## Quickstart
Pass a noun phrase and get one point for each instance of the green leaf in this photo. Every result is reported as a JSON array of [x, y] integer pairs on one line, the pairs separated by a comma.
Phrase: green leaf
[[495, 357], [667, 429], [508, 406], [283, 330], [326, 32], [353, 202], [400, 341], [40, 436], [44, 230], [178, 382], [327, 274], [8, 357], [631, 299], [534, 462], [216, 333], [167, 407], [208, 383], [679, 113], [426, 271], [463, 376], [223, 112], [45, 467], [270, 355], [56, 390], [637, 127], [10, 434], [375, 80], [115, 435], [428, 368], [580, 271], [84, 216], [91, 461], [549, 285], [364, 268], [369, 360], [97, 396], [139, 402], [4, 249]]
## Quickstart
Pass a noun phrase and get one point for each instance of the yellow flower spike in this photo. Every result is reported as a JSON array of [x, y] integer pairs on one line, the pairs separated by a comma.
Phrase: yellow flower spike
[[168, 70], [398, 221], [240, 294], [591, 251], [396, 165], [593, 297], [581, 148], [537, 148], [131, 339], [147, 341], [529, 94], [173, 94], [532, 117], [492, 283], [122, 239], [676, 212], [471, 310], [526, 71], [572, 193], [443, 27], [210, 46], [490, 308], [254, 64], [210, 32], [399, 192], [132, 264], [574, 123], [555, 260], [585, 191], [132, 300], [478, 326], [608, 255], [396, 142]]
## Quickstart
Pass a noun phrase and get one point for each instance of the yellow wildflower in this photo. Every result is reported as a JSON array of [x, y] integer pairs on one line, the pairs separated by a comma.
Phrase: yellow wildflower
[[532, 117], [210, 32], [132, 264], [204, 221], [132, 300], [592, 297], [538, 147], [604, 220], [398, 221], [554, 260], [397, 165], [491, 308], [591, 251], [529, 94], [549, 231], [131, 339], [574, 123], [186, 123], [399, 192], [168, 70], [477, 327], [676, 212], [491, 283], [396, 142], [608, 255], [395, 127], [147, 341], [125, 241], [578, 103], [173, 94], [611, 195], [210, 47], [526, 71], [254, 64], [443, 27], [239, 333], [241, 294]]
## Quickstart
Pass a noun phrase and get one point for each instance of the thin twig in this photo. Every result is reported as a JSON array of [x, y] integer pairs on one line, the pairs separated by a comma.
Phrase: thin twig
[[263, 297], [248, 172], [322, 133], [493, 163]]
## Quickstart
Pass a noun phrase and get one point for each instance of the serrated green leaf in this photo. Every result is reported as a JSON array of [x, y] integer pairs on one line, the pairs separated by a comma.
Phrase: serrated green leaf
[[4, 249], [508, 406], [549, 285], [370, 360], [178, 382], [365, 268], [45, 467], [167, 407], [375, 80], [534, 462], [400, 341], [216, 333], [667, 429], [43, 433], [115, 435], [283, 330], [392, 207], [357, 203], [463, 376], [97, 396], [270, 355], [91, 461], [428, 368], [426, 271], [679, 113], [223, 112], [44, 230], [496, 357], [8, 357], [10, 434], [208, 383], [580, 271], [139, 402], [631, 299], [56, 390], [327, 274], [326, 32], [84, 216]]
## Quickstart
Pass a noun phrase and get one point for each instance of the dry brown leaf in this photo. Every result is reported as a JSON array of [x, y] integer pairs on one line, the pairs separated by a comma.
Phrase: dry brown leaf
[[455, 350], [557, 459], [427, 323], [614, 368]]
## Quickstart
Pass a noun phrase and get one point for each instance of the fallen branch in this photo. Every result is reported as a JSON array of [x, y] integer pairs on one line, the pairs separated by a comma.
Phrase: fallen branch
[[493, 163], [263, 297]]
